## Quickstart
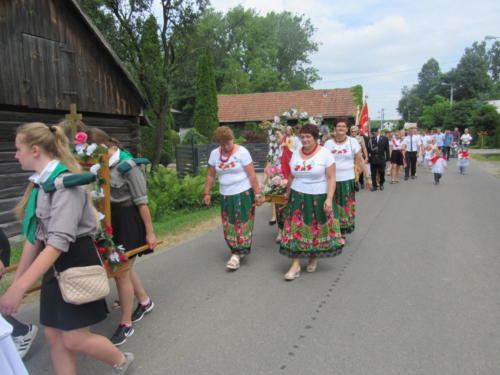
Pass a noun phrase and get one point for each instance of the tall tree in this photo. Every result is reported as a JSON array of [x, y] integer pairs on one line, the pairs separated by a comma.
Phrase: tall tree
[[205, 118], [470, 78], [428, 79], [494, 56], [152, 58], [410, 105]]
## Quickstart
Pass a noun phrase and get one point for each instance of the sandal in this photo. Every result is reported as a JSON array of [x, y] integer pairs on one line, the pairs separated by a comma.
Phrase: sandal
[[290, 276], [233, 263], [312, 267], [116, 305]]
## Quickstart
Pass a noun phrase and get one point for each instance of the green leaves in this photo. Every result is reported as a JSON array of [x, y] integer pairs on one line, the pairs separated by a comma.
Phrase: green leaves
[[205, 118]]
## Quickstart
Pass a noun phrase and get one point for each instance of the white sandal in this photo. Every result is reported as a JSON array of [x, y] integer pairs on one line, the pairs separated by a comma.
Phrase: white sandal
[[233, 262]]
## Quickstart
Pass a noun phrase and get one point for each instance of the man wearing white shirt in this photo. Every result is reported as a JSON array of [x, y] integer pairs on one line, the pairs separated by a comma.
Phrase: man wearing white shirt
[[412, 145]]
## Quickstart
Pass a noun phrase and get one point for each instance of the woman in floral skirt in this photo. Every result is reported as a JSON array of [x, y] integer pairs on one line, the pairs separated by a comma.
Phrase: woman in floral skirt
[[311, 226], [346, 150], [239, 190]]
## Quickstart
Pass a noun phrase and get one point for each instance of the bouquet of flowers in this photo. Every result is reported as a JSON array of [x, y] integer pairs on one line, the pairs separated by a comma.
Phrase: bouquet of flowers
[[276, 184]]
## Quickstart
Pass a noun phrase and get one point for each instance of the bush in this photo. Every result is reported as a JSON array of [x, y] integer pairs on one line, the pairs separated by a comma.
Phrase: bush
[[168, 152], [199, 139], [253, 137], [167, 192]]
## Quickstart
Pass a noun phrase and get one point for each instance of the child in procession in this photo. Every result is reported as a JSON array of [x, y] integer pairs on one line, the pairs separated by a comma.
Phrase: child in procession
[[439, 165], [59, 227], [463, 160]]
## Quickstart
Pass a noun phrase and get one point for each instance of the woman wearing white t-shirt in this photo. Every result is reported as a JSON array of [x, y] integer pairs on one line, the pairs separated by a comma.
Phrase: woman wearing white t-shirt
[[312, 229], [238, 185], [346, 150]]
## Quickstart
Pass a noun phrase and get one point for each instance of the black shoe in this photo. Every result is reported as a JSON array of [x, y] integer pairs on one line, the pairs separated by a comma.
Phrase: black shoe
[[121, 335], [374, 188], [381, 187], [272, 222], [406, 178], [141, 310]]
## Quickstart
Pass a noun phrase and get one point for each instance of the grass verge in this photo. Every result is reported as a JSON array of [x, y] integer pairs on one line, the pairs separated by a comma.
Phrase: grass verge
[[486, 157]]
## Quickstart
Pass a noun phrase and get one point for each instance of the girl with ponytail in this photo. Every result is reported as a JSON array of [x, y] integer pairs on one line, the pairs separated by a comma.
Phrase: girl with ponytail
[[132, 228], [59, 228]]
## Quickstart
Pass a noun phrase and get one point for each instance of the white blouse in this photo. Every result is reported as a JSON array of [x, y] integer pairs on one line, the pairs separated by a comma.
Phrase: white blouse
[[233, 178], [310, 175]]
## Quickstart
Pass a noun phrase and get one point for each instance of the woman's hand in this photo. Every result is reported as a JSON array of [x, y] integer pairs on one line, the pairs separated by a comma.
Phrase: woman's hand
[[368, 184], [151, 240], [327, 207], [10, 301], [259, 200], [207, 199]]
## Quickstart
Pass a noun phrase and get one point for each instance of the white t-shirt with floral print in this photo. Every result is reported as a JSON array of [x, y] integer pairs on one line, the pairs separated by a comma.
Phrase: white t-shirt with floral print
[[310, 175], [344, 155], [232, 176]]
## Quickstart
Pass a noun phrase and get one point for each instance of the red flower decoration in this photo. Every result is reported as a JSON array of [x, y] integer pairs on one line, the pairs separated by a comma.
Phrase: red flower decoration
[[123, 258], [109, 230], [101, 250]]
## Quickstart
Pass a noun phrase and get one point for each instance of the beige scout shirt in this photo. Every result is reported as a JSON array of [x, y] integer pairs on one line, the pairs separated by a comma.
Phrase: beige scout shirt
[[130, 185], [63, 216]]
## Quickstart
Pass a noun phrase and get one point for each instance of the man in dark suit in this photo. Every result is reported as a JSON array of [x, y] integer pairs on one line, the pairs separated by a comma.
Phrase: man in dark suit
[[378, 154]]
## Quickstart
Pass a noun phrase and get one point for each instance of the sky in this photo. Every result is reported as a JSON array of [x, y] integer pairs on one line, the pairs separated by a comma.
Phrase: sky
[[382, 44]]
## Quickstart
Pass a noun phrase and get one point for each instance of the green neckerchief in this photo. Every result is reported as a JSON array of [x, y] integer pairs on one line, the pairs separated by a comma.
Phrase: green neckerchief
[[29, 221], [124, 155]]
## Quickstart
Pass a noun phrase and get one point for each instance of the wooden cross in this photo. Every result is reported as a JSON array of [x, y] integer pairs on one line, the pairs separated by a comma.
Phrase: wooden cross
[[74, 117]]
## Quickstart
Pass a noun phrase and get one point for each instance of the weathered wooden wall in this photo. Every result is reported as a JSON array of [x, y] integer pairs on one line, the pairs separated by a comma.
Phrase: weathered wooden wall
[[50, 58], [13, 180]]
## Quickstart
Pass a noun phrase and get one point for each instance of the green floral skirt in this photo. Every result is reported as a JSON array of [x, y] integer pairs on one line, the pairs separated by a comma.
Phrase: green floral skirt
[[237, 213], [346, 202], [308, 231]]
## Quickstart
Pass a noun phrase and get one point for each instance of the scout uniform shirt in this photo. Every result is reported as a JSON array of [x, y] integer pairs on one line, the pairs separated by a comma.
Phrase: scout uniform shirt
[[64, 215], [127, 186]]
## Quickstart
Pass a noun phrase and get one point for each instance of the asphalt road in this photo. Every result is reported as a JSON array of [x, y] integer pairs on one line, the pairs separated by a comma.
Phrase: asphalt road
[[416, 291]]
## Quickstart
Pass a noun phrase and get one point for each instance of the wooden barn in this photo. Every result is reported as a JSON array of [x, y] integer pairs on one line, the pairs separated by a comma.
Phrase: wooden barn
[[52, 56]]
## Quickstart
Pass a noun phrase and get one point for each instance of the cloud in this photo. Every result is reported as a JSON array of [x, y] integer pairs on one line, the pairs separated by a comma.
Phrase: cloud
[[383, 44]]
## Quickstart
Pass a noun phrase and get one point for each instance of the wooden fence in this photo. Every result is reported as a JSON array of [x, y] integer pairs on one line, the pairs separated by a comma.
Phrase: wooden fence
[[189, 158]]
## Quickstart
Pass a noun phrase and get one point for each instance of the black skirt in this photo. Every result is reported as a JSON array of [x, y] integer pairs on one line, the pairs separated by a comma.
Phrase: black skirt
[[56, 313], [397, 157], [128, 227]]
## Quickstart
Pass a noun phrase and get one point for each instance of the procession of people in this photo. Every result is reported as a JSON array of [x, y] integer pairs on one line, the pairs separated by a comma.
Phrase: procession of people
[[318, 184]]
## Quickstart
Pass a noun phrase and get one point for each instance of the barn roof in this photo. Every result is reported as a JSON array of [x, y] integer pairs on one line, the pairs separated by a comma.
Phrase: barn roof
[[264, 106], [93, 28]]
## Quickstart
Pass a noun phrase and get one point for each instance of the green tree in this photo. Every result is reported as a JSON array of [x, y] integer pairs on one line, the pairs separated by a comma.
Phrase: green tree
[[486, 118], [470, 78], [461, 114], [410, 105], [428, 79], [205, 118], [435, 115], [149, 48], [494, 56]]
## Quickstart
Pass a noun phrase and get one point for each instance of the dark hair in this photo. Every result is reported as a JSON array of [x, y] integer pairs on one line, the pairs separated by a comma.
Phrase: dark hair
[[341, 119], [310, 129]]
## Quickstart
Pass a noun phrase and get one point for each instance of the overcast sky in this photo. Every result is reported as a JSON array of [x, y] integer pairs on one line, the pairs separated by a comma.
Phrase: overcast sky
[[383, 44]]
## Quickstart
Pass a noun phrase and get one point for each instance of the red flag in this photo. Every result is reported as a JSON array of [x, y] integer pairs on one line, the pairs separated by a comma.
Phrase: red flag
[[363, 119]]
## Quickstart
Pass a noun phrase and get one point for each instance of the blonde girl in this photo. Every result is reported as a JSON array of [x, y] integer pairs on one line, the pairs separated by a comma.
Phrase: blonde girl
[[59, 228]]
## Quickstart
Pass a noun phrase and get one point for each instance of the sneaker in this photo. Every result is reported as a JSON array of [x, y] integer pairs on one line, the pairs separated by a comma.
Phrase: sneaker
[[122, 369], [23, 343], [141, 310], [121, 335]]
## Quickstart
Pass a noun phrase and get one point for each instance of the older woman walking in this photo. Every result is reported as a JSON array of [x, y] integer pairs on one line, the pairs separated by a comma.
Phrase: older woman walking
[[239, 190], [312, 229], [346, 151]]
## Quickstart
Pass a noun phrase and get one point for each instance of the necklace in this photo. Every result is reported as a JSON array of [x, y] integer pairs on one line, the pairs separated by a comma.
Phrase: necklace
[[310, 152], [228, 157]]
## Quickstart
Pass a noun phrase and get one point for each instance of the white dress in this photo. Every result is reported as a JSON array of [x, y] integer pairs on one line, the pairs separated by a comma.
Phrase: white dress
[[10, 361]]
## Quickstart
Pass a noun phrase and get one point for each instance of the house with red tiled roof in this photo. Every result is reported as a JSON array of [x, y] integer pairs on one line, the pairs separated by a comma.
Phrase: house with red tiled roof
[[330, 104]]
